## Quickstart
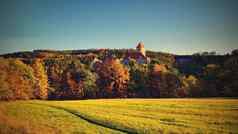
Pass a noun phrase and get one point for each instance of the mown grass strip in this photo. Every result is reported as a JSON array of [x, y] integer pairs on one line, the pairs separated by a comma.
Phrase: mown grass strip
[[76, 113]]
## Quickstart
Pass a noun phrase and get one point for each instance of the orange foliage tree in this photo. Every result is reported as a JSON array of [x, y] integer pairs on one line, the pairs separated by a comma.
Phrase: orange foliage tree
[[16, 80], [113, 78]]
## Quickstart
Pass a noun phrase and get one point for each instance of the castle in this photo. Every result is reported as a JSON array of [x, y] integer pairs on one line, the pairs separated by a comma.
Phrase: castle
[[141, 48], [139, 55]]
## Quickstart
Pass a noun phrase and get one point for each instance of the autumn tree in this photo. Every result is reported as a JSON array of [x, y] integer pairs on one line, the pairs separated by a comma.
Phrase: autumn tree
[[90, 88], [156, 79], [80, 81], [5, 92], [191, 86], [138, 84], [17, 80], [71, 79], [113, 78], [163, 83], [57, 76], [41, 90]]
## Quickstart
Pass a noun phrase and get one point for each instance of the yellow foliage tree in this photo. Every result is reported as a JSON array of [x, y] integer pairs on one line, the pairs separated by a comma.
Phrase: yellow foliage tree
[[41, 91]]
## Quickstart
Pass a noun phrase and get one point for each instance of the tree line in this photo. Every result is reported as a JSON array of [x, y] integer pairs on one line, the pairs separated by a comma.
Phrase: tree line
[[71, 77]]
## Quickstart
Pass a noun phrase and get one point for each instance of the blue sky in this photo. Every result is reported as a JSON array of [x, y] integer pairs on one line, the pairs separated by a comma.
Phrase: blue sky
[[175, 26]]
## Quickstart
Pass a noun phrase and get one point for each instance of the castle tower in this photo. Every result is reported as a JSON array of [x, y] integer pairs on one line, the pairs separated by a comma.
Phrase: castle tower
[[141, 48]]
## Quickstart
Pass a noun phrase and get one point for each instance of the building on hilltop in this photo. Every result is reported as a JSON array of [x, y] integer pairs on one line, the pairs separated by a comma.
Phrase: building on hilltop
[[141, 48], [139, 55]]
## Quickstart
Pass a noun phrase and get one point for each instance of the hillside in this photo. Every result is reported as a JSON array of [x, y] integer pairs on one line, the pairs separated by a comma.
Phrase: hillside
[[113, 73]]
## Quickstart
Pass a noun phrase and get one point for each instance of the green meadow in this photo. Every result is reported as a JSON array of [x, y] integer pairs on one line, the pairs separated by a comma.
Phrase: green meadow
[[106, 116]]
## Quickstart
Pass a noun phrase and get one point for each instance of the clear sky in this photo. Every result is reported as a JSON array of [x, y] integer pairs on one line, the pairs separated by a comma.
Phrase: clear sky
[[175, 26]]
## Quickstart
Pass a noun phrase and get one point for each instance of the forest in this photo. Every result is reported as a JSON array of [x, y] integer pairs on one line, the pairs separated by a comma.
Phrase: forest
[[101, 73]]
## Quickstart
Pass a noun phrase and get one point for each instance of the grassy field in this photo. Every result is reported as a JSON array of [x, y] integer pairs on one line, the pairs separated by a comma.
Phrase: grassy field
[[120, 116]]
